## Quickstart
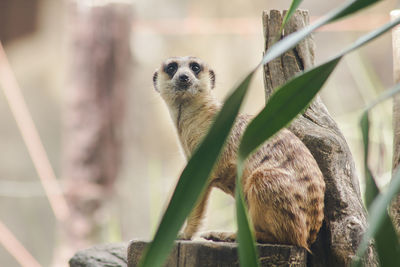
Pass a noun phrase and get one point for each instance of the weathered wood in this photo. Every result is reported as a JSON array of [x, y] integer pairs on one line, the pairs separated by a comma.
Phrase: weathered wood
[[221, 254], [345, 216], [98, 76], [395, 207]]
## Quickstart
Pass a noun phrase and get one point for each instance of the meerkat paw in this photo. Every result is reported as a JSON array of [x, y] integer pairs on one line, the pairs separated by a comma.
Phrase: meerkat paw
[[219, 236], [183, 236]]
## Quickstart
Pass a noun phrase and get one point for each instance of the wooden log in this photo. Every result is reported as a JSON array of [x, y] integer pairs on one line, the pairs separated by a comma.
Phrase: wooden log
[[395, 207], [221, 254], [345, 216]]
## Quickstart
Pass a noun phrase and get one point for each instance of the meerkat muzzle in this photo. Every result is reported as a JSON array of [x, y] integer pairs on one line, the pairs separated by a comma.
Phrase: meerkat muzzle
[[183, 82]]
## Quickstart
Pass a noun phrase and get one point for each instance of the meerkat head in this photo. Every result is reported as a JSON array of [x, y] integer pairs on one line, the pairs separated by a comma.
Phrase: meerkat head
[[183, 77]]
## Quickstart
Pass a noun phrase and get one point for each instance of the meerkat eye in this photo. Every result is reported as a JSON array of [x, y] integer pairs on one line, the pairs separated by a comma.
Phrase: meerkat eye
[[171, 68], [195, 67]]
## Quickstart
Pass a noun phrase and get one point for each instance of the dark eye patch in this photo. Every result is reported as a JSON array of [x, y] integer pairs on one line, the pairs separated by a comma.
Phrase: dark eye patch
[[195, 67], [171, 68]]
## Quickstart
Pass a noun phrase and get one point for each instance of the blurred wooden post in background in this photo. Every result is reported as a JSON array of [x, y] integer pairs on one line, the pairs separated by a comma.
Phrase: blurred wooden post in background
[[18, 18], [98, 79], [345, 216], [395, 208]]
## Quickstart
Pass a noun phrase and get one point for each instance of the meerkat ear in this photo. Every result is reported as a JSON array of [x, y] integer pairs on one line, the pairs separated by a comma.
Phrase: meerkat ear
[[212, 79], [155, 76]]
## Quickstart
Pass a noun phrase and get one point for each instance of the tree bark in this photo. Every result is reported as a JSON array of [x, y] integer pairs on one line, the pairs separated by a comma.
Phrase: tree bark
[[395, 207], [345, 216], [99, 61]]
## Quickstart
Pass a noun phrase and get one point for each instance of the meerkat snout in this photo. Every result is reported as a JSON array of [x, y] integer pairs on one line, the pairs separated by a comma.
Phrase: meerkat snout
[[183, 80]]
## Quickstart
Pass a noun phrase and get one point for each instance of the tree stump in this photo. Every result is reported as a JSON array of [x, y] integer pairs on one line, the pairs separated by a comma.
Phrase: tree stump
[[220, 254], [345, 216]]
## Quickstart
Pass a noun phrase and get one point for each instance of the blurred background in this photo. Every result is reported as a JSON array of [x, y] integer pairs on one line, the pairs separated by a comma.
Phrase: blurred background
[[124, 178]]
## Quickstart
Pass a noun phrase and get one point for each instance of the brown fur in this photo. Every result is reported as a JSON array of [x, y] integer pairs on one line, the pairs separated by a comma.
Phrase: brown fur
[[282, 183]]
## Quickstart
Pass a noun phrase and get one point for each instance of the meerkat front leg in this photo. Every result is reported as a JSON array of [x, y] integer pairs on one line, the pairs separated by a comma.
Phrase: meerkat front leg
[[195, 218]]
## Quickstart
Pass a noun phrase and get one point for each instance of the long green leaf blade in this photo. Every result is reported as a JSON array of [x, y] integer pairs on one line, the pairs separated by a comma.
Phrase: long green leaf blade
[[248, 255], [283, 106], [384, 96], [352, 7], [377, 216], [371, 189], [370, 36], [295, 4], [293, 39], [193, 179], [295, 96], [387, 243]]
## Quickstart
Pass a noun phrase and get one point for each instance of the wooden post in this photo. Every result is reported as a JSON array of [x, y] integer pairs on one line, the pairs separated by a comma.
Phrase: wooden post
[[221, 254], [345, 216], [395, 208], [98, 78]]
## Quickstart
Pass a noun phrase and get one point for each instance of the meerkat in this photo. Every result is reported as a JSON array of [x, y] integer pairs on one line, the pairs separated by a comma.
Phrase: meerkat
[[282, 183]]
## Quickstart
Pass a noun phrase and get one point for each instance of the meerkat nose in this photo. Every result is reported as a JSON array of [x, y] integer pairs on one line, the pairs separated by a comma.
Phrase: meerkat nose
[[183, 78]]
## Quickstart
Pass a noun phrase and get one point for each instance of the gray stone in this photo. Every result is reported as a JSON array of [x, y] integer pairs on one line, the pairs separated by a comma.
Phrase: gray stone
[[107, 255]]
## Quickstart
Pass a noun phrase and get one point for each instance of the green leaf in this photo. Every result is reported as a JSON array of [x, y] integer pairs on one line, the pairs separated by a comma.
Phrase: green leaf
[[387, 243], [370, 36], [352, 7], [294, 96], [193, 179], [378, 217], [384, 96], [381, 227], [293, 39], [248, 255], [371, 189], [288, 101], [295, 4]]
